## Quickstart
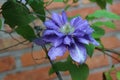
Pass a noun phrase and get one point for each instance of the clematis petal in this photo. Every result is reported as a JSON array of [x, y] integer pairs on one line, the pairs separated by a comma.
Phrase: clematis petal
[[57, 42], [81, 25], [56, 51], [51, 25], [67, 40], [83, 40], [78, 33], [64, 17], [51, 35], [78, 53], [84, 26], [92, 40], [75, 21], [57, 19]]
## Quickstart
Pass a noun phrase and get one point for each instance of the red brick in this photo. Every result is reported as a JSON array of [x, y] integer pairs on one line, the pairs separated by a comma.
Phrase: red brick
[[117, 23], [27, 58], [36, 74], [115, 8], [6, 42], [39, 57], [82, 12], [116, 58], [98, 75], [110, 42], [85, 1], [95, 76], [1, 45], [57, 5], [97, 61], [7, 63]]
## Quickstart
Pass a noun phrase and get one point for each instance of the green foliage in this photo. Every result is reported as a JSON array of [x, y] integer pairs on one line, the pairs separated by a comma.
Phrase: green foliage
[[102, 3], [38, 7], [75, 1], [101, 46], [26, 32], [58, 66], [58, 0], [90, 49], [109, 1], [77, 72], [16, 14], [29, 1], [65, 1], [103, 14], [107, 76], [98, 32], [108, 24], [118, 75]]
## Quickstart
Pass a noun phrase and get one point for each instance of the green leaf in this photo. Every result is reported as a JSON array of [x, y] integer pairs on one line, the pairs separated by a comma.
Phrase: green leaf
[[16, 14], [38, 7], [58, 0], [75, 1], [118, 75], [26, 32], [107, 76], [58, 66], [98, 32], [100, 3], [108, 24], [109, 1], [80, 72], [0, 23], [29, 1], [101, 46], [103, 14], [90, 49], [51, 71]]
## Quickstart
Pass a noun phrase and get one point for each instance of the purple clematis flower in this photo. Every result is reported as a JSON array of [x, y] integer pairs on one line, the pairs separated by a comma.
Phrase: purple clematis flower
[[71, 35]]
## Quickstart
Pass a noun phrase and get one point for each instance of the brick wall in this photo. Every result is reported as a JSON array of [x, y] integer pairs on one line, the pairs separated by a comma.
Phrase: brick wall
[[19, 63]]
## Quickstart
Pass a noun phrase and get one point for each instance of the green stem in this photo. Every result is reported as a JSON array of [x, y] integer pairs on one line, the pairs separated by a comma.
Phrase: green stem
[[52, 63]]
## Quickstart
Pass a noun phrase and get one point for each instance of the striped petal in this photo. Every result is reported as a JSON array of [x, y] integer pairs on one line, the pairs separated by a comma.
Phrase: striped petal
[[78, 53], [56, 51]]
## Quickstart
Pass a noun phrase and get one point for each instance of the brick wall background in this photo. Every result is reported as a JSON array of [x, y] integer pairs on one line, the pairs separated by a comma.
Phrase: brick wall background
[[19, 63]]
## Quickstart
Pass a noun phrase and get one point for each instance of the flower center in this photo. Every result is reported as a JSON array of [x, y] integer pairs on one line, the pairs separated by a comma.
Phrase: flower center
[[67, 29]]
